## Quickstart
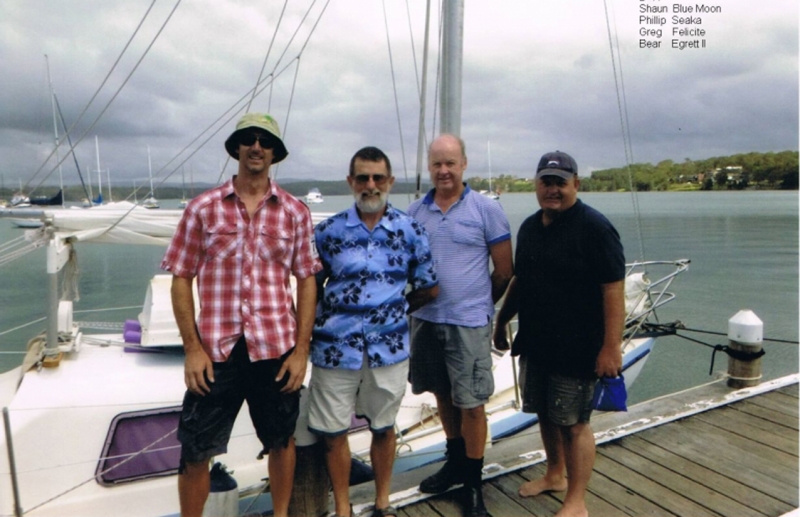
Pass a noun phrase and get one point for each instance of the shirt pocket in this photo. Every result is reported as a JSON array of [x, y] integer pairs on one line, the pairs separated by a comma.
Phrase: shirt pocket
[[273, 244], [468, 232], [221, 241]]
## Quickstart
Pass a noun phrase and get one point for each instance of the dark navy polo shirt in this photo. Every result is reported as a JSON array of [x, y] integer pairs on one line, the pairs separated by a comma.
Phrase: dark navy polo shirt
[[560, 269]]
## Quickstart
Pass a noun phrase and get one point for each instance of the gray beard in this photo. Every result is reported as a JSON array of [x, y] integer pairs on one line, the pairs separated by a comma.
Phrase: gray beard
[[371, 207]]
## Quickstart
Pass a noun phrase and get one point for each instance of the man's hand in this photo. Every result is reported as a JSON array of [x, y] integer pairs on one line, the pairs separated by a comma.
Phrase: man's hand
[[198, 367], [500, 338], [609, 361], [295, 365]]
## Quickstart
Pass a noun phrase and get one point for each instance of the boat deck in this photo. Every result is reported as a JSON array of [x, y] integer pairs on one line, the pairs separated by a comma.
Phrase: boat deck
[[705, 452]]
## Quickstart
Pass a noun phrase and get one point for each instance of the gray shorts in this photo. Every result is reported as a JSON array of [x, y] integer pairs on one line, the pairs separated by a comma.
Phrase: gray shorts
[[450, 359], [564, 401], [371, 393]]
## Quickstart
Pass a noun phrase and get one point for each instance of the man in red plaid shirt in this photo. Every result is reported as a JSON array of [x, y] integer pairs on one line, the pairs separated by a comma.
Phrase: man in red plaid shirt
[[241, 241]]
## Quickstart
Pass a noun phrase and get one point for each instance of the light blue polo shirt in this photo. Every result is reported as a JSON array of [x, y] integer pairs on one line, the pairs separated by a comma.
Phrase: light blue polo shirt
[[460, 241]]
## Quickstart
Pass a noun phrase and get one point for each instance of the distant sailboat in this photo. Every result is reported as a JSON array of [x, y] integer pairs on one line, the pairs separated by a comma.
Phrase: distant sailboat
[[20, 200], [151, 201], [490, 193], [183, 202], [99, 199]]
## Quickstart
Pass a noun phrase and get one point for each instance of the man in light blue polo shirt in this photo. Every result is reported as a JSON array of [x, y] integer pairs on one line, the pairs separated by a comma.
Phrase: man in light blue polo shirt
[[451, 336], [359, 347]]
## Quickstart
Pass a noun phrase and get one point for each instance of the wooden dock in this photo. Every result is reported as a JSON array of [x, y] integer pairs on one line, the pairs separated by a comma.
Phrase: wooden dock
[[709, 451]]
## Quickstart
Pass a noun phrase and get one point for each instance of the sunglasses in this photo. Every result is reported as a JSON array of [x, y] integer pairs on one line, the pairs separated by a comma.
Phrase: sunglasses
[[379, 179], [265, 141]]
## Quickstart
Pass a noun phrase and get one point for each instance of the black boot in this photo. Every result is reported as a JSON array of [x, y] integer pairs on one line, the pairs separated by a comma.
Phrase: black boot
[[451, 473], [473, 504]]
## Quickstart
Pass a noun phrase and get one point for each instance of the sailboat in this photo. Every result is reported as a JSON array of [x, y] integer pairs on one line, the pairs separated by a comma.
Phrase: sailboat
[[491, 194], [150, 201], [91, 418], [183, 202]]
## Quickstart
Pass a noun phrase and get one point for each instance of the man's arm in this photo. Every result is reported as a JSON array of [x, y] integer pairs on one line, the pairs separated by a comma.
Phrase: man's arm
[[507, 312], [609, 361], [197, 365], [503, 268], [297, 361], [420, 297]]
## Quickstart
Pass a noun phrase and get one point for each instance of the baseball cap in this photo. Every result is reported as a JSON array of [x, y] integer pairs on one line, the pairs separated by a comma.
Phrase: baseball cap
[[260, 121], [557, 164]]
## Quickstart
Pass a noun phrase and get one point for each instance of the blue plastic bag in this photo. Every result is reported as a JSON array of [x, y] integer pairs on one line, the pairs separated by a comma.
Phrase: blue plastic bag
[[610, 394]]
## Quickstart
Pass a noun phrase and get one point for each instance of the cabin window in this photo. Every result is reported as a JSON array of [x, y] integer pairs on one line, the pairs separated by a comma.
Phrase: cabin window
[[140, 445]]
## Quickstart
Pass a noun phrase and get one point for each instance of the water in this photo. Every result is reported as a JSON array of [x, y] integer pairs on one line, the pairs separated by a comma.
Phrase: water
[[743, 247]]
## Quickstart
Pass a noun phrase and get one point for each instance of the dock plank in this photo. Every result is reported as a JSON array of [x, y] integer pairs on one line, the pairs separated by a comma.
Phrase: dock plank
[[732, 488], [763, 432], [777, 402], [670, 477], [791, 391], [713, 455], [752, 454], [759, 411], [708, 451], [609, 463]]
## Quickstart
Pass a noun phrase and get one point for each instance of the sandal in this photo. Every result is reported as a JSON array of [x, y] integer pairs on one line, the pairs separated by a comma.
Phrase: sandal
[[385, 512]]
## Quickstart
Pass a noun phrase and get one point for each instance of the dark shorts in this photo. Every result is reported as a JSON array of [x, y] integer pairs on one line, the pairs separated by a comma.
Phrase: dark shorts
[[206, 421], [454, 360], [562, 400]]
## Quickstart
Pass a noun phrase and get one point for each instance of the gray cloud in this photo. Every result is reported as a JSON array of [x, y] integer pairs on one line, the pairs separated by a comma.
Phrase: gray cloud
[[536, 78]]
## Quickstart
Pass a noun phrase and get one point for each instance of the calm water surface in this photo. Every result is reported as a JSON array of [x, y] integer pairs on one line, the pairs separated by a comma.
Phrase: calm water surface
[[743, 247]]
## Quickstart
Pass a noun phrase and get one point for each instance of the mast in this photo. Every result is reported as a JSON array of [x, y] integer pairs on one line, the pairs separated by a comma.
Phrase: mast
[[55, 128], [150, 169], [422, 102], [452, 58], [489, 161], [99, 171]]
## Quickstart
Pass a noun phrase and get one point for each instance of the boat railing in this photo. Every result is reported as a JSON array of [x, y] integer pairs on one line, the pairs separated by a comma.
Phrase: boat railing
[[653, 294]]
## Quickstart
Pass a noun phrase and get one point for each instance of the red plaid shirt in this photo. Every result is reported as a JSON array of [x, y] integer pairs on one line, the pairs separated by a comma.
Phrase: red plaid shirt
[[242, 267]]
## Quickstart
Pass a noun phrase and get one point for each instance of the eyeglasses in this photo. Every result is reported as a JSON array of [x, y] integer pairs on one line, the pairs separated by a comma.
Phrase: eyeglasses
[[265, 141], [379, 179]]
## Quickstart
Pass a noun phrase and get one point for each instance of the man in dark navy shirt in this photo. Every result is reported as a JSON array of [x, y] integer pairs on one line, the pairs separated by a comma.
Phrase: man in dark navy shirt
[[568, 290]]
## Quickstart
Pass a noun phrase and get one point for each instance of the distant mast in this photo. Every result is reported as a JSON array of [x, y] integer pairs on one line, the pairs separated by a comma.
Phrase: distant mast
[[99, 199], [55, 128]]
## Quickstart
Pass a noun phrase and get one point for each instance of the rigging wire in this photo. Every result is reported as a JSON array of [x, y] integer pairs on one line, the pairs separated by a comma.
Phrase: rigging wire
[[97, 92], [266, 57], [394, 88], [616, 63]]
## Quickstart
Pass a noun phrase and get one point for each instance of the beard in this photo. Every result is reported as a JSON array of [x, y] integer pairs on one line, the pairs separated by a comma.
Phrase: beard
[[372, 204]]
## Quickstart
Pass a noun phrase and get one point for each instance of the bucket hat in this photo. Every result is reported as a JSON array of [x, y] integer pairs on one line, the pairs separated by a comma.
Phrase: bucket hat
[[261, 121]]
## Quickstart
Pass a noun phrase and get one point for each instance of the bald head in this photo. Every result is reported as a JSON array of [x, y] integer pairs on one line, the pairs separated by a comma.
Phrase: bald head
[[447, 161], [447, 139]]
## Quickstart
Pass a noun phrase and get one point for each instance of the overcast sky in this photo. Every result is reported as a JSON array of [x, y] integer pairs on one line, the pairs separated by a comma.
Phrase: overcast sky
[[536, 78]]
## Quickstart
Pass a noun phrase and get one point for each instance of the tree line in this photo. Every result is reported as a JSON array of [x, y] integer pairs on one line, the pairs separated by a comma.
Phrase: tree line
[[736, 172]]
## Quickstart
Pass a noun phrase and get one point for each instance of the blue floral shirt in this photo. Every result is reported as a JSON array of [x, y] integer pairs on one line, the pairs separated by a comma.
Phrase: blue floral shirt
[[363, 305]]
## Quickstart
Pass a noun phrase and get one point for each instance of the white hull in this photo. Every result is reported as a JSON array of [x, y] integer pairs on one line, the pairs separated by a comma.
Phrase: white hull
[[70, 408]]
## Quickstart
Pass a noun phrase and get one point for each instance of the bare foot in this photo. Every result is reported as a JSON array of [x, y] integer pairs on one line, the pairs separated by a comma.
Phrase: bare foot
[[574, 510], [537, 486]]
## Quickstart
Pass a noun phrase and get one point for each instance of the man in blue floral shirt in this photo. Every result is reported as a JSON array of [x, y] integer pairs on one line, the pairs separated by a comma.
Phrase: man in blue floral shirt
[[359, 347]]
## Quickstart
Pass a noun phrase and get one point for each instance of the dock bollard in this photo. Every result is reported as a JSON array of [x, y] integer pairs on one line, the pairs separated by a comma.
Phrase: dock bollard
[[745, 334]]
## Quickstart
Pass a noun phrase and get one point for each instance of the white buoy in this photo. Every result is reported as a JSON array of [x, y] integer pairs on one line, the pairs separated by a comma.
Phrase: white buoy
[[745, 335]]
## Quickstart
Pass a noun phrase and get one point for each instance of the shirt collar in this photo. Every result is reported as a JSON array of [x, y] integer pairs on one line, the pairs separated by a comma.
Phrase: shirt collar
[[228, 190], [565, 216], [428, 199], [354, 220]]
